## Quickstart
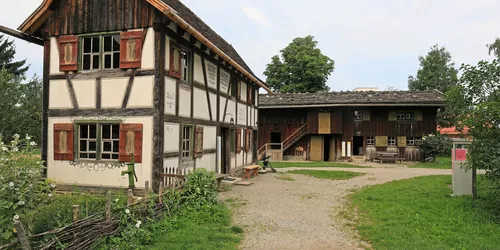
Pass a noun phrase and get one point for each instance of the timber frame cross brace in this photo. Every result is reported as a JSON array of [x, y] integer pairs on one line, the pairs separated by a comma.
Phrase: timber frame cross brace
[[20, 35]]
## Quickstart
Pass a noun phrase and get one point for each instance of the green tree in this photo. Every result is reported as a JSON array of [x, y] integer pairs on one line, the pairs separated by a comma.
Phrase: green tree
[[476, 103], [494, 48], [301, 67], [9, 99], [30, 108], [437, 71], [7, 52]]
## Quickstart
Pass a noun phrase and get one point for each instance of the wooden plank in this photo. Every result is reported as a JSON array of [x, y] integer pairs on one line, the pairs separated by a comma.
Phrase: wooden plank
[[98, 94], [71, 91], [100, 112], [324, 123], [103, 74], [243, 183], [45, 102]]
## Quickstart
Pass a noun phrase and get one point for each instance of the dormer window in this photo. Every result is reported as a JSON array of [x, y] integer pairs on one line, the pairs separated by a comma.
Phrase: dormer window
[[100, 52]]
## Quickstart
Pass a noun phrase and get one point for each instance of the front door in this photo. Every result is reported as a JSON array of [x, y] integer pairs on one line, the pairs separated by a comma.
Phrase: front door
[[225, 151], [358, 145], [316, 153]]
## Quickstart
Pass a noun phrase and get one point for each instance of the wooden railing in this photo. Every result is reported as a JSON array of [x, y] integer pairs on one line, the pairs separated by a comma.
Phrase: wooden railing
[[290, 140]]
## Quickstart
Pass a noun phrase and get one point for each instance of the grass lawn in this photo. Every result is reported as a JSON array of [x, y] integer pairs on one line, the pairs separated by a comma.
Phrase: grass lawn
[[332, 175], [419, 213], [193, 230], [313, 164], [443, 162]]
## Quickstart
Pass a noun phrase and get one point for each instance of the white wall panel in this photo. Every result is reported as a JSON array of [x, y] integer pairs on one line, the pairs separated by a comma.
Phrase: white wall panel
[[207, 162], [170, 95], [54, 56], [59, 95], [141, 95], [242, 114], [209, 137], [198, 70], [148, 55], [85, 93], [171, 137], [243, 91], [113, 91], [200, 104], [184, 101]]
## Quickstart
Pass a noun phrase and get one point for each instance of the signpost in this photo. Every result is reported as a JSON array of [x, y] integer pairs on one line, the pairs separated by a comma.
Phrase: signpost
[[463, 179]]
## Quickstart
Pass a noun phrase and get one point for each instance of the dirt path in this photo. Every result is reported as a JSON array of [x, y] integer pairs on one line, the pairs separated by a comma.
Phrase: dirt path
[[301, 214]]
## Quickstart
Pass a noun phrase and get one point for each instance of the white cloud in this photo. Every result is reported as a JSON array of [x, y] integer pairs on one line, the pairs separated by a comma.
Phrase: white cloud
[[257, 15]]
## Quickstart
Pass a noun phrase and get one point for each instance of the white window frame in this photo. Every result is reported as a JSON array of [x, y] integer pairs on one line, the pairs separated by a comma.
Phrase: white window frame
[[391, 141], [187, 141], [370, 140], [410, 141]]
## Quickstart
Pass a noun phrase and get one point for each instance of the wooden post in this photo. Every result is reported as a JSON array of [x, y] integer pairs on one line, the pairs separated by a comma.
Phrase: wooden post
[[130, 196], [160, 193], [146, 186], [86, 208], [21, 235], [108, 206], [76, 212]]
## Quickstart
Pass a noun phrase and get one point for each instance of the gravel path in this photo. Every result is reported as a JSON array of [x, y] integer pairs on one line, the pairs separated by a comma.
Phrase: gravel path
[[302, 214]]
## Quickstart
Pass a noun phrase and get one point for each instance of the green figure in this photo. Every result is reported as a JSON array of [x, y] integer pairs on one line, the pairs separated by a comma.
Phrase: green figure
[[131, 172]]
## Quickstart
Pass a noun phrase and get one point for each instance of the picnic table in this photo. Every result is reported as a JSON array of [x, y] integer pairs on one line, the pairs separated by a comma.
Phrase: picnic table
[[386, 156], [251, 170]]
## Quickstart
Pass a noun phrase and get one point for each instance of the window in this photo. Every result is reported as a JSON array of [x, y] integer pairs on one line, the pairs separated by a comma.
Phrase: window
[[234, 87], [405, 116], [98, 141], [401, 116], [358, 115], [391, 141], [187, 136], [370, 140], [185, 62], [410, 141], [410, 116], [101, 52]]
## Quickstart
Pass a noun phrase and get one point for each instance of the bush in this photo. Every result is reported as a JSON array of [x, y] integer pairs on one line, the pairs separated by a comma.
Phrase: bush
[[199, 188], [432, 146], [22, 186]]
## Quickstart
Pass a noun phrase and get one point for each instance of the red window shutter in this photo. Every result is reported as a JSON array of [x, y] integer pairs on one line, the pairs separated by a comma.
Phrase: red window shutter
[[68, 53], [247, 140], [175, 69], [63, 142], [130, 142], [130, 49], [238, 140], [198, 140]]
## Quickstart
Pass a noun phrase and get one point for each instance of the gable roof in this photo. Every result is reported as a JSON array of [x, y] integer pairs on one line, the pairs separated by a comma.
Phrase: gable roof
[[369, 98], [180, 14]]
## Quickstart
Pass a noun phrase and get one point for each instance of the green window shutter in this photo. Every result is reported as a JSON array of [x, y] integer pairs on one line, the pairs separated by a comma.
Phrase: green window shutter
[[393, 116]]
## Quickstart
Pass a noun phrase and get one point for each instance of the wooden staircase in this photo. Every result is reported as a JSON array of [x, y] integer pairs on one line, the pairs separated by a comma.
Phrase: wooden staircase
[[280, 148]]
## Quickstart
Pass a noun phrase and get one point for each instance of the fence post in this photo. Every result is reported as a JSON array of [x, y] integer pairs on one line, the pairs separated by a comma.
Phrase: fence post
[[130, 196], [76, 212], [108, 206], [146, 185], [160, 192], [21, 235]]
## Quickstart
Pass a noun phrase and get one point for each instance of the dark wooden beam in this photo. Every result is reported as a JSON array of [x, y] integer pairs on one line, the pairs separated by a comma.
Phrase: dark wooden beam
[[98, 93], [71, 91], [45, 101], [205, 78], [180, 31], [158, 108], [129, 89], [100, 112], [22, 36], [192, 40], [103, 74]]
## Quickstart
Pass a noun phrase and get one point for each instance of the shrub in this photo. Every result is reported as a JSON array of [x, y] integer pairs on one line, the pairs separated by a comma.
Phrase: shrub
[[22, 186], [432, 146], [199, 188]]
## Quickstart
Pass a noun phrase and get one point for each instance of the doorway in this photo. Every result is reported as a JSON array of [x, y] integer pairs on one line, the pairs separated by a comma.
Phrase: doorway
[[327, 147], [225, 141], [357, 144], [275, 140]]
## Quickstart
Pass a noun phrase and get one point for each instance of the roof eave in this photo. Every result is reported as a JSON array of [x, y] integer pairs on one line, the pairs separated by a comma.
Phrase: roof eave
[[264, 106]]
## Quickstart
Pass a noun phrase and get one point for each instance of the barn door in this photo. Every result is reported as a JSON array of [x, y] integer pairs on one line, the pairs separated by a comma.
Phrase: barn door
[[324, 123], [316, 148]]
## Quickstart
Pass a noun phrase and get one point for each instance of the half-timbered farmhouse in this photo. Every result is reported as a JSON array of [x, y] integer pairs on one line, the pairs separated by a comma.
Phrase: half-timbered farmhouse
[[337, 125], [141, 78]]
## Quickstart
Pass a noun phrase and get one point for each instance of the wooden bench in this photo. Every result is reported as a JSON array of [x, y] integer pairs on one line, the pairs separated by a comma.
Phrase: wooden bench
[[251, 170], [400, 159], [219, 178]]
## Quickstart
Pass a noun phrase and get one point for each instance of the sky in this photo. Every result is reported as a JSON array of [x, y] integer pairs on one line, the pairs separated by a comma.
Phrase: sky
[[373, 43]]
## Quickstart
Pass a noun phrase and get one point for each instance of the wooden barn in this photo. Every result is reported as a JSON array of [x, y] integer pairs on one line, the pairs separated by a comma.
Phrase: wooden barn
[[339, 125], [146, 78]]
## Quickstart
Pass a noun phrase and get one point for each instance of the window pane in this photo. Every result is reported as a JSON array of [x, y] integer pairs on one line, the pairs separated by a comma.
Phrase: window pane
[[92, 146], [107, 61], [115, 157], [116, 43], [86, 45], [84, 130], [116, 131], [115, 146], [106, 132], [107, 146], [116, 60], [93, 131], [95, 44], [86, 62], [107, 44], [106, 156], [84, 156], [95, 62], [83, 145], [92, 156]]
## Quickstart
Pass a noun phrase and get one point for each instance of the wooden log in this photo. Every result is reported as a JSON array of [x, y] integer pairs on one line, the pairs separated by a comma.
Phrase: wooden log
[[130, 196], [108, 206], [21, 235], [76, 212], [22, 36]]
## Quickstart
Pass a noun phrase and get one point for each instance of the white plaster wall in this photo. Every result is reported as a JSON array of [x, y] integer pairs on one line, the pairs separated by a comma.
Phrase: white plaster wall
[[113, 91], [242, 114], [54, 56], [213, 104], [200, 109], [240, 158], [171, 137], [243, 91], [63, 173], [141, 95], [207, 162], [85, 93], [198, 70], [230, 112], [249, 157], [221, 108], [59, 95], [225, 79], [167, 52], [148, 55], [257, 97], [209, 137], [170, 95], [184, 101]]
